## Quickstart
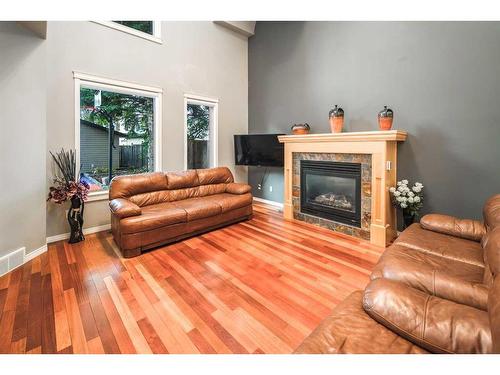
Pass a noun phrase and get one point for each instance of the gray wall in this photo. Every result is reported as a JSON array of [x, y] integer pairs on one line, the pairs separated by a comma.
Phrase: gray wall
[[22, 139], [196, 58], [442, 79]]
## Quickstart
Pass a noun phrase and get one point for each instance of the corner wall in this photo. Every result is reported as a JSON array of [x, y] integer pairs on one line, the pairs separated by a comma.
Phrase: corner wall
[[442, 79], [22, 139]]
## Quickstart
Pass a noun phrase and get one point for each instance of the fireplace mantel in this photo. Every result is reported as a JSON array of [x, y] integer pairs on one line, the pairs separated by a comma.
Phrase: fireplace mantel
[[381, 145]]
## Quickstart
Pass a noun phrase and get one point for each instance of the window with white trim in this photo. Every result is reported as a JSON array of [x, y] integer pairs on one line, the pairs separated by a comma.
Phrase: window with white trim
[[150, 30], [117, 130], [200, 126]]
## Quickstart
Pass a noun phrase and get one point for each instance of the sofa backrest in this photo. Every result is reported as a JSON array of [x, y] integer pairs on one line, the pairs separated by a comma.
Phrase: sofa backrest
[[159, 187]]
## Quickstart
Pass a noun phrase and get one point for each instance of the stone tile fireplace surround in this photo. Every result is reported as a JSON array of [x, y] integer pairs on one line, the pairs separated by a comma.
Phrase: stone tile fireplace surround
[[365, 187], [375, 151]]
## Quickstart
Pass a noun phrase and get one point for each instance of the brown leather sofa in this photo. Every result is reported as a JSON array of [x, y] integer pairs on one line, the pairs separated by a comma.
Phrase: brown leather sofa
[[435, 289], [152, 209]]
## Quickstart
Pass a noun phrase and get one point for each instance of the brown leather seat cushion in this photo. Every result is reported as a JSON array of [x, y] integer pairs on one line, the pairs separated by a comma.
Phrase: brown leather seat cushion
[[152, 217], [443, 245], [198, 208], [349, 329], [229, 202], [437, 324], [446, 278]]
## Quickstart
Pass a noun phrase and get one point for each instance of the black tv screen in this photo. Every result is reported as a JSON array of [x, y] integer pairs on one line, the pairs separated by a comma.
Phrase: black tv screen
[[258, 150]]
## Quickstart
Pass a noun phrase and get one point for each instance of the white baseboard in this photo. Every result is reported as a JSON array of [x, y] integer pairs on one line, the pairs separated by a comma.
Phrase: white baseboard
[[35, 253], [271, 203], [65, 236]]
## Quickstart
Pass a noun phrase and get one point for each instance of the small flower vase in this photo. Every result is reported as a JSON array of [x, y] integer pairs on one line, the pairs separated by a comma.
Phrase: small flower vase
[[409, 218], [336, 118], [385, 118], [75, 220]]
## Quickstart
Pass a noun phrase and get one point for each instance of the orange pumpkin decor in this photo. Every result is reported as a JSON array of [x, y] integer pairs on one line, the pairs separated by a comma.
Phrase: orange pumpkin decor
[[300, 129], [385, 118], [336, 118]]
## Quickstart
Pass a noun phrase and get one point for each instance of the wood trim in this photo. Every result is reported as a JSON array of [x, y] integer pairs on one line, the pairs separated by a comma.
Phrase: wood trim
[[117, 84], [388, 135]]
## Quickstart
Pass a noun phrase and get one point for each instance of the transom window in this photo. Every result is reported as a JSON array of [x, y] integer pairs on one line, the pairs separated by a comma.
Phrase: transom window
[[150, 30], [117, 131], [144, 26]]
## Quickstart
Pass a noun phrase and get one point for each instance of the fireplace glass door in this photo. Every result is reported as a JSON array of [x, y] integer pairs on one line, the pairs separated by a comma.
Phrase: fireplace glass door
[[331, 190]]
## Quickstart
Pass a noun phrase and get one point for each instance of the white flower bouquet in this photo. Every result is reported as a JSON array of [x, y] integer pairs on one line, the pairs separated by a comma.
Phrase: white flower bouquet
[[410, 200]]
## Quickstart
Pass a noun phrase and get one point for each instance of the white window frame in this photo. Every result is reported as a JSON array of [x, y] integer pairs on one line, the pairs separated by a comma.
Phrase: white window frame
[[108, 84], [156, 37], [213, 104]]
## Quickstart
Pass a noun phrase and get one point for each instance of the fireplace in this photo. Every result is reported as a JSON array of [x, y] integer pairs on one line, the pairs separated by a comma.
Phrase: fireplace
[[331, 190]]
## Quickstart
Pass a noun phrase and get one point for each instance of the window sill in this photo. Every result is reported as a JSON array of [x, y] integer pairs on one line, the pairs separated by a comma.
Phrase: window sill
[[131, 31], [98, 196]]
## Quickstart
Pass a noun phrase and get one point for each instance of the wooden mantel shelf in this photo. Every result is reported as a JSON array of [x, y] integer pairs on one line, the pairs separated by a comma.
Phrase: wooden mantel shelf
[[385, 135], [381, 145]]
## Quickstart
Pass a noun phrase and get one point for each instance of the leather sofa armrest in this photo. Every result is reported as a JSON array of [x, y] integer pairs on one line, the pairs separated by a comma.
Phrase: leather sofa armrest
[[237, 188], [123, 208], [464, 228], [494, 312], [436, 324]]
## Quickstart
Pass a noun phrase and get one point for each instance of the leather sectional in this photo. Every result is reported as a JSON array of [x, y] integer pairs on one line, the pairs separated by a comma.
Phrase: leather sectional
[[152, 209], [435, 289]]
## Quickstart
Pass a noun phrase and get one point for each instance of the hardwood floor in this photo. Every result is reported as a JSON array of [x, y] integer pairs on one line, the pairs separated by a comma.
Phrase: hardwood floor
[[259, 286]]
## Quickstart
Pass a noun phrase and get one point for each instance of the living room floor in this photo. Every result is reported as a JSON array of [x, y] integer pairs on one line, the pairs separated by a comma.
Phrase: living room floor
[[259, 286]]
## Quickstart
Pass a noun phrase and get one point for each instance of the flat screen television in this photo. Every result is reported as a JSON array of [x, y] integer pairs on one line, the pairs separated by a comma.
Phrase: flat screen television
[[258, 150]]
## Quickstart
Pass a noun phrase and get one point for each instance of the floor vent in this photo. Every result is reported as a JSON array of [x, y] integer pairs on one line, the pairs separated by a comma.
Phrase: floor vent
[[12, 260]]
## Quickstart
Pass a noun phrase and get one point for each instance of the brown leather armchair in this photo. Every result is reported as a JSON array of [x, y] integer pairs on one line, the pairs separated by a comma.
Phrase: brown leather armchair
[[436, 289], [152, 209]]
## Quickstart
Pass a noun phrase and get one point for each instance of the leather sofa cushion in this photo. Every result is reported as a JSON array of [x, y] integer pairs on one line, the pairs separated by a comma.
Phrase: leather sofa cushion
[[463, 228], [122, 208], [181, 179], [446, 278], [434, 323], [129, 185], [153, 217], [198, 208], [237, 188], [443, 245], [229, 202], [220, 175], [349, 329]]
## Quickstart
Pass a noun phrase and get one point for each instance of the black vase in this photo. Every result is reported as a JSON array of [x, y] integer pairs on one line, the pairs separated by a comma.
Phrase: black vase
[[75, 220], [408, 218]]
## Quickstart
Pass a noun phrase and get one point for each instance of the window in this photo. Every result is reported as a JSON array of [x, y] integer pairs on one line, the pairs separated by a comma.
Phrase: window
[[117, 130], [144, 26], [200, 132], [150, 30]]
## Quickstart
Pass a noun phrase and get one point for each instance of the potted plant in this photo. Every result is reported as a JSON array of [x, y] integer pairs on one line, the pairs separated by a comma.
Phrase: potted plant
[[410, 200], [68, 187]]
